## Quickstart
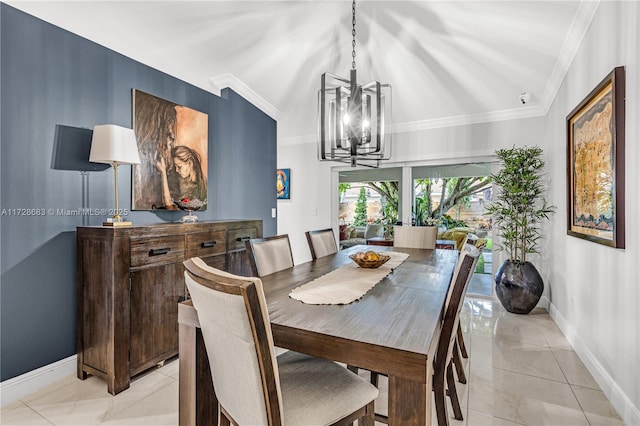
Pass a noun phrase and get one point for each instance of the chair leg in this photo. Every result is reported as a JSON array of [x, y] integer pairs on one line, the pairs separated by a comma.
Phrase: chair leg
[[374, 379], [224, 420], [440, 396], [460, 339], [453, 393], [368, 419], [457, 361]]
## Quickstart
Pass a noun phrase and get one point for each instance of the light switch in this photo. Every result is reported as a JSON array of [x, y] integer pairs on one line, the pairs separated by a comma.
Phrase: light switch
[[273, 212]]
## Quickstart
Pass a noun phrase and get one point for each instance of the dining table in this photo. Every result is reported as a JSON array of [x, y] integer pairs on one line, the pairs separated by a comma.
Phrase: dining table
[[393, 330]]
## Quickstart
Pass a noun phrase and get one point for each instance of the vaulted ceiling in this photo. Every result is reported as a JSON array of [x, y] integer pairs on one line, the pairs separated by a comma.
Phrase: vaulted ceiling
[[449, 62]]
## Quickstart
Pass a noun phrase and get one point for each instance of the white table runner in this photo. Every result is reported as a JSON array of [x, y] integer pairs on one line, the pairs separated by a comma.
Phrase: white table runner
[[345, 284]]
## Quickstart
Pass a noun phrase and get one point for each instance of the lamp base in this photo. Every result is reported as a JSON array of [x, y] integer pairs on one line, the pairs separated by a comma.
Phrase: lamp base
[[117, 224]]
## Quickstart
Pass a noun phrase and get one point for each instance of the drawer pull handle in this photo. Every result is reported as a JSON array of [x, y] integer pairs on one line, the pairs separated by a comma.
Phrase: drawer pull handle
[[243, 238], [160, 251], [208, 244]]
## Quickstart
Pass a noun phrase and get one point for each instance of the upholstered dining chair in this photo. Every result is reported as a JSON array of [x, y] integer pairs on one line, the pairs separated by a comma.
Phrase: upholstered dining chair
[[461, 349], [443, 380], [253, 386], [269, 255], [321, 243], [423, 237]]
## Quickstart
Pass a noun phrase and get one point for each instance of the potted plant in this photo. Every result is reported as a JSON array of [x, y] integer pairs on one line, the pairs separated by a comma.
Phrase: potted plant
[[518, 209]]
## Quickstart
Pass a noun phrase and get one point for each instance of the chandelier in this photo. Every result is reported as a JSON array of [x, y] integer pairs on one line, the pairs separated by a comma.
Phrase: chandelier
[[352, 117]]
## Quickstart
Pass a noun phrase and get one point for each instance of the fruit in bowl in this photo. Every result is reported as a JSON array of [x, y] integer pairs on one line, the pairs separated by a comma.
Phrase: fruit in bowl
[[189, 205], [369, 259]]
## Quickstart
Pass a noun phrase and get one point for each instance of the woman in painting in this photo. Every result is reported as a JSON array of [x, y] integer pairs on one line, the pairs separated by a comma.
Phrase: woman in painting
[[185, 179], [155, 128]]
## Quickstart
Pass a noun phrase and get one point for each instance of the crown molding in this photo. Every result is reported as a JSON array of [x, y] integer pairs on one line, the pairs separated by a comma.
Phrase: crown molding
[[578, 29], [232, 82], [437, 123]]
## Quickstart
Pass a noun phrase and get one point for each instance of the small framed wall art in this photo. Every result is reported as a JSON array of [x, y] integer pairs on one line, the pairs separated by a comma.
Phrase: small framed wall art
[[283, 184], [595, 164]]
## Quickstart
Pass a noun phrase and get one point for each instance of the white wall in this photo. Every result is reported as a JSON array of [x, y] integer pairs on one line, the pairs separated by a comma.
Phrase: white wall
[[595, 290], [310, 205], [604, 328], [313, 183]]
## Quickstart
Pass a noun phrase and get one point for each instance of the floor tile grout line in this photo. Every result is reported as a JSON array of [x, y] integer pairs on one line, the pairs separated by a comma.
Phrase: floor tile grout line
[[525, 374], [36, 412], [139, 401], [517, 341], [509, 371], [513, 340], [580, 405]]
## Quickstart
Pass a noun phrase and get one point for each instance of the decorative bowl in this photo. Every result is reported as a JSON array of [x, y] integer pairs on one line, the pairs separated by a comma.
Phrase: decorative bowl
[[189, 206], [369, 259]]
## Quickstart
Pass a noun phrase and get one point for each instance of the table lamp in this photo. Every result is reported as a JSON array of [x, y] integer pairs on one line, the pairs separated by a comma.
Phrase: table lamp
[[114, 145]]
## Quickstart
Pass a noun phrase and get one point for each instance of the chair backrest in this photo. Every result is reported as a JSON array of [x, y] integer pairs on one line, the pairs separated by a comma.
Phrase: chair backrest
[[269, 255], [237, 335], [457, 289], [423, 237], [321, 242]]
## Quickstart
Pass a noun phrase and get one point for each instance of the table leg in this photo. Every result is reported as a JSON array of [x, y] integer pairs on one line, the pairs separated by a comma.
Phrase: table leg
[[187, 377], [198, 405], [409, 401]]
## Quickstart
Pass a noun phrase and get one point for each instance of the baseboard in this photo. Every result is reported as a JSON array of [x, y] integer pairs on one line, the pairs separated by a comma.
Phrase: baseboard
[[13, 389], [543, 303], [619, 399]]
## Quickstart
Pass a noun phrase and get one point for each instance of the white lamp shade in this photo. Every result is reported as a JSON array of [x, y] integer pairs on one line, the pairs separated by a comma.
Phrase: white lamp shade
[[111, 143]]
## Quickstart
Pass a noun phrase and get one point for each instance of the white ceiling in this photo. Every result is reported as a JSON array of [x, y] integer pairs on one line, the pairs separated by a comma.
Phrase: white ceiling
[[449, 62]]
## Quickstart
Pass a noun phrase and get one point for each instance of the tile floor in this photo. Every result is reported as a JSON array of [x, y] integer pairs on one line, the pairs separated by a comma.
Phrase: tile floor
[[521, 371]]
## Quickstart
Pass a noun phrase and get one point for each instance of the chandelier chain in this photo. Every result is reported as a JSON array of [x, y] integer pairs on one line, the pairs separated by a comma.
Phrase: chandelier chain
[[353, 34]]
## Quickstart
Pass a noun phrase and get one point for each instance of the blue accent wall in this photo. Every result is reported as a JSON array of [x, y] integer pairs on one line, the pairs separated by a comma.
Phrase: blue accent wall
[[49, 76]]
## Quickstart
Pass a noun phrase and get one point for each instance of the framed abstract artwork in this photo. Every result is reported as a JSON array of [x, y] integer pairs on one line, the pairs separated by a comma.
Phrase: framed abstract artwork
[[283, 184], [595, 164], [173, 147]]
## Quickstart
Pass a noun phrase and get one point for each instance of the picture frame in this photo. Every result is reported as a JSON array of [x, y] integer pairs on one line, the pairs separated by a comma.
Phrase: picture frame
[[283, 184], [595, 164], [173, 145]]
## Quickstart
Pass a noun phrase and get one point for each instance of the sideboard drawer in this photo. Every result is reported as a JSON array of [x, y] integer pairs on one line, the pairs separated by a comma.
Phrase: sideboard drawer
[[203, 244], [146, 251], [238, 236]]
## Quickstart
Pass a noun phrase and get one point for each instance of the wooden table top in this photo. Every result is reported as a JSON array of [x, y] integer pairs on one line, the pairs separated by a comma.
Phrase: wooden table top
[[395, 314]]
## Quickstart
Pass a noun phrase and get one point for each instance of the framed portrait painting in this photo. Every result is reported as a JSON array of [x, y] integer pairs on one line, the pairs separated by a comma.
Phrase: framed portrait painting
[[173, 144], [283, 184], [595, 164]]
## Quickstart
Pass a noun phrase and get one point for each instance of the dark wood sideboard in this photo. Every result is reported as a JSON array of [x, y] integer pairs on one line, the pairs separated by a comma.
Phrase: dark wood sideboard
[[129, 283]]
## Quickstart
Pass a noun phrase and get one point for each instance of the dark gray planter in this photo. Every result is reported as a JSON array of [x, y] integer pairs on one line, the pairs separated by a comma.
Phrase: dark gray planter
[[519, 286]]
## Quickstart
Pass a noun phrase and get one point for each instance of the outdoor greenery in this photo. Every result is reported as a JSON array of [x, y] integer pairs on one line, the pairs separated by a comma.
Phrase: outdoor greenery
[[361, 208], [519, 206], [342, 188], [389, 192], [454, 192]]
